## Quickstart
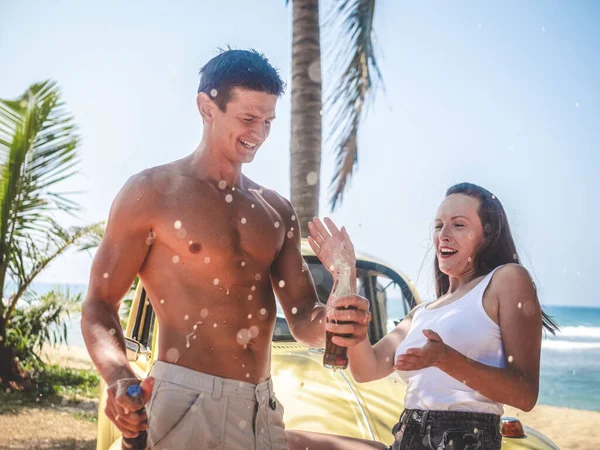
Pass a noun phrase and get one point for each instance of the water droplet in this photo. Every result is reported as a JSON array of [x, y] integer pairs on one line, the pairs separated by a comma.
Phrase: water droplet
[[112, 331], [475, 430], [277, 331], [543, 29], [177, 224], [194, 247], [222, 184], [182, 233], [186, 317], [206, 260], [263, 311], [243, 336], [249, 316], [282, 284], [243, 220], [314, 71], [253, 288], [519, 305], [243, 263], [470, 259], [149, 241], [175, 259], [247, 375], [172, 355], [257, 277], [253, 331], [216, 281], [576, 104], [312, 178], [213, 93], [515, 256], [493, 197], [229, 198], [162, 301], [510, 359], [242, 424], [105, 275], [387, 359], [204, 313], [188, 345], [290, 234], [293, 217], [215, 325], [276, 224], [499, 352], [250, 297]]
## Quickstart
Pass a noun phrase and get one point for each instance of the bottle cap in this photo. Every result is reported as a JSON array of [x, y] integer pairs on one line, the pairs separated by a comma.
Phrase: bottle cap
[[134, 390]]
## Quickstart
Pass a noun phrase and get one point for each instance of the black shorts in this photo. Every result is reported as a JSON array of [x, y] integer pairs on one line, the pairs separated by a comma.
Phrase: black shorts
[[446, 430]]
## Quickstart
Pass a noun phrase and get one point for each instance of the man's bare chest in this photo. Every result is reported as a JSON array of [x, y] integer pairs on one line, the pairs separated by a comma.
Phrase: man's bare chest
[[217, 224]]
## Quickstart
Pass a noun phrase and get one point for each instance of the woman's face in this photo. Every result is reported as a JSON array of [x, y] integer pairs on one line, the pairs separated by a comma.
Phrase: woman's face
[[457, 234]]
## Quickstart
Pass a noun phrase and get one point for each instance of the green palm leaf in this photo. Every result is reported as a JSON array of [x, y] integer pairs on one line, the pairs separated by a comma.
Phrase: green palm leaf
[[38, 149], [350, 30]]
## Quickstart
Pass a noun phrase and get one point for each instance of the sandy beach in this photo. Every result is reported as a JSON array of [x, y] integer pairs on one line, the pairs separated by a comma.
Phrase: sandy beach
[[570, 429]]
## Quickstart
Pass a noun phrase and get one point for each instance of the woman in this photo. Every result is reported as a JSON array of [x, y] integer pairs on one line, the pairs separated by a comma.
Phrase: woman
[[464, 355]]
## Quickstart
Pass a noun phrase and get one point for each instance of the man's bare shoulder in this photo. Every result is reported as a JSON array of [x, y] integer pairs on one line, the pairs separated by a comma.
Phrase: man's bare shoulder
[[281, 204]]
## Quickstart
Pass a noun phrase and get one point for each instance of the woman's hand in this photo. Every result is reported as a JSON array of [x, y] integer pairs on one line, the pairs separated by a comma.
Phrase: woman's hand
[[332, 246], [431, 354]]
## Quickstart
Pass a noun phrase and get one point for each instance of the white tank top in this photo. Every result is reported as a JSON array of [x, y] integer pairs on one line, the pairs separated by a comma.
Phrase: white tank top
[[465, 326]]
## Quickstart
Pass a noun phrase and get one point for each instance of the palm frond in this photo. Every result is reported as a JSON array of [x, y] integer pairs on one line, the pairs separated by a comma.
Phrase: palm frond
[[29, 258], [349, 28], [38, 149]]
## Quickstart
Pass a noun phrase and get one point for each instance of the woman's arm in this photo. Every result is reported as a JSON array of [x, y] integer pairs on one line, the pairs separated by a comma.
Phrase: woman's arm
[[372, 362], [520, 321]]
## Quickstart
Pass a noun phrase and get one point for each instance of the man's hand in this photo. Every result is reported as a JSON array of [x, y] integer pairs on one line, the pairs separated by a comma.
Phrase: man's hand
[[330, 244], [348, 316], [430, 355], [124, 411]]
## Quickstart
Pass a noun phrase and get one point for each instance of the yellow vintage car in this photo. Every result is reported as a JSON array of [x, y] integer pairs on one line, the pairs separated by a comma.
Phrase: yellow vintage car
[[315, 398]]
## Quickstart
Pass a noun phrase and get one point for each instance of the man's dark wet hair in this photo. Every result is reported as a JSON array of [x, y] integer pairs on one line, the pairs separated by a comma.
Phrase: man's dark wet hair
[[247, 69]]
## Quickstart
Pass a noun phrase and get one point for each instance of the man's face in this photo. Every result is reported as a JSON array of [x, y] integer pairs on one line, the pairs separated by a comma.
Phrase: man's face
[[240, 130]]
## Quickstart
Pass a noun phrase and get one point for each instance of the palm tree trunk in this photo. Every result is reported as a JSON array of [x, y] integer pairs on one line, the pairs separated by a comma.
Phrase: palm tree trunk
[[305, 158]]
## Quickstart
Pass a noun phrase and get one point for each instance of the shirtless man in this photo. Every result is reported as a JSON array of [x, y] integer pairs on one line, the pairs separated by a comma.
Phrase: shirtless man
[[210, 246]]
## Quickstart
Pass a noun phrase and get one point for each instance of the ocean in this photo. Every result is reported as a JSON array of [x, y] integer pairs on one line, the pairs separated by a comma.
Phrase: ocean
[[570, 363]]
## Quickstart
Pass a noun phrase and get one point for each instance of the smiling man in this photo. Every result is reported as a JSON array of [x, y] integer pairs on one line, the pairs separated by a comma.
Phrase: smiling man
[[211, 247]]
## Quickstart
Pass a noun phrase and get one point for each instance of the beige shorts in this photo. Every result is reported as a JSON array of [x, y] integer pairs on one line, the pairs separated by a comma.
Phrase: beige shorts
[[192, 410]]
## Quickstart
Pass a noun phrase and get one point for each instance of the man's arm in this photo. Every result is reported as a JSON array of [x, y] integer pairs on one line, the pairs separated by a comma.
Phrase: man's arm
[[294, 286], [118, 259], [117, 262]]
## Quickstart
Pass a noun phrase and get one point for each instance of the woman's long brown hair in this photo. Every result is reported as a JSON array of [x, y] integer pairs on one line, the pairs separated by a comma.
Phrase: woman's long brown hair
[[498, 247]]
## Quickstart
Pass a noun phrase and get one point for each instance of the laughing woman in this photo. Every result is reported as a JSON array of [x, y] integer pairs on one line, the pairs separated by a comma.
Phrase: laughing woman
[[464, 355]]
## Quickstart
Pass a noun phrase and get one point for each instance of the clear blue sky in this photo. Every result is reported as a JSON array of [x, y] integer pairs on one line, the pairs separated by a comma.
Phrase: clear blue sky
[[505, 95]]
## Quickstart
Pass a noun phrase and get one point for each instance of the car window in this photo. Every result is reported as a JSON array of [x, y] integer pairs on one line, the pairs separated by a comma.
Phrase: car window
[[390, 301], [143, 328], [323, 284]]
